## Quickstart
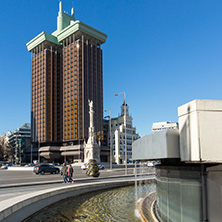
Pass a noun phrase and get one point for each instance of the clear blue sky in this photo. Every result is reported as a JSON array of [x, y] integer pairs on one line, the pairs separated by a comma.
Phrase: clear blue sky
[[163, 53]]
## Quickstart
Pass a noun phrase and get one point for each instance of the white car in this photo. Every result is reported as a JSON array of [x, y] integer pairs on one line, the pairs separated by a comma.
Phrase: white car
[[4, 167], [84, 166], [150, 164]]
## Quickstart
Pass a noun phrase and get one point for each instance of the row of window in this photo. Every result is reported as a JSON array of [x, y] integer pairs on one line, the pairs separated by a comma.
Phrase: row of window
[[70, 76], [71, 88], [38, 106], [69, 114], [39, 102], [38, 92], [123, 142], [67, 119], [72, 136], [123, 153], [38, 81], [38, 62], [68, 84], [40, 85], [70, 111], [39, 56]]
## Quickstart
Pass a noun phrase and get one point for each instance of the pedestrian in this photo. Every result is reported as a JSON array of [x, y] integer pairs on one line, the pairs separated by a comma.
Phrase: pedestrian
[[64, 172], [70, 173]]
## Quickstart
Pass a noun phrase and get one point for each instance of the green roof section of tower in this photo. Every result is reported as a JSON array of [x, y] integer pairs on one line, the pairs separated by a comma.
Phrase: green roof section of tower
[[66, 26], [41, 38], [78, 26]]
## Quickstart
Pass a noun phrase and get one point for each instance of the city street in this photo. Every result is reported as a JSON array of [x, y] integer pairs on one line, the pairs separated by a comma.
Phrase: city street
[[8, 177], [14, 183]]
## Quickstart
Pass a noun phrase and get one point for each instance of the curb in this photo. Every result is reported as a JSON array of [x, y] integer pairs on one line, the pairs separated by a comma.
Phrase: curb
[[149, 214]]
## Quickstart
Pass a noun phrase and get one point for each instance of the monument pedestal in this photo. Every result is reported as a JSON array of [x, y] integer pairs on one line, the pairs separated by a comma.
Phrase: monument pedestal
[[92, 151]]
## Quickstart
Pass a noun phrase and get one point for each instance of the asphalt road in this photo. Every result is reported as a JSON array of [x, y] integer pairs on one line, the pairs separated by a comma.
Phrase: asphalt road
[[8, 177], [21, 182], [17, 177]]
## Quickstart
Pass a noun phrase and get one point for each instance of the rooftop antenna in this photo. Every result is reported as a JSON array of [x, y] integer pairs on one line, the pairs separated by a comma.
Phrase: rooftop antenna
[[60, 6]]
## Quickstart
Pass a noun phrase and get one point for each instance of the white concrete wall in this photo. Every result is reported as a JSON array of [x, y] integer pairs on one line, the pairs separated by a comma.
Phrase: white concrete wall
[[159, 145], [200, 129]]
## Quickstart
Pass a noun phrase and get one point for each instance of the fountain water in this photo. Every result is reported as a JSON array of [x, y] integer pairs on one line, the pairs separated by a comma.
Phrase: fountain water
[[143, 204], [110, 205]]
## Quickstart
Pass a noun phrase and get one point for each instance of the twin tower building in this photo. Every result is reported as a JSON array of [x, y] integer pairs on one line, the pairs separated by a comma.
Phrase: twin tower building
[[67, 72]]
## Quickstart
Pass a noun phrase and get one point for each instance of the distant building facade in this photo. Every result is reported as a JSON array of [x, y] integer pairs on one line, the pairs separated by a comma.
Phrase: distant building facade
[[164, 125], [19, 141], [118, 135]]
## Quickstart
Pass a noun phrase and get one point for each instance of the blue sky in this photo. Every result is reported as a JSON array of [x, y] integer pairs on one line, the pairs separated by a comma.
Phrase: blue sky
[[163, 53]]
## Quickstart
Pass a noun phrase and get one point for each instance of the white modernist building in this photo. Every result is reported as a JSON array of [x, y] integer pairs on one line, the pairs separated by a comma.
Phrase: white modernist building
[[164, 125], [118, 135]]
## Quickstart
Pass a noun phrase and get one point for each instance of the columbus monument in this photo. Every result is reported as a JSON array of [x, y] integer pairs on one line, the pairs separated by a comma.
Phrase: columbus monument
[[92, 149]]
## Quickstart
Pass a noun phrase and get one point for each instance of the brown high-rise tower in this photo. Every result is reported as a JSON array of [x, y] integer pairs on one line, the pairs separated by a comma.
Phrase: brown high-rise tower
[[82, 61], [46, 108], [66, 73]]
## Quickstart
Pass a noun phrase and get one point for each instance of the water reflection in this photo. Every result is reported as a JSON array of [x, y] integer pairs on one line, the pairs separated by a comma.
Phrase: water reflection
[[106, 206]]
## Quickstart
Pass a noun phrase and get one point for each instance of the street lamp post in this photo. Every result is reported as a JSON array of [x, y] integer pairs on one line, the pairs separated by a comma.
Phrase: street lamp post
[[16, 149], [110, 138], [125, 128], [38, 152], [31, 153]]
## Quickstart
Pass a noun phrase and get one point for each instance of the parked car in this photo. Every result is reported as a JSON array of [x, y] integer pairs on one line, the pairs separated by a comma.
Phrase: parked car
[[45, 168], [101, 166], [56, 164], [6, 165], [150, 163], [84, 166], [30, 165]]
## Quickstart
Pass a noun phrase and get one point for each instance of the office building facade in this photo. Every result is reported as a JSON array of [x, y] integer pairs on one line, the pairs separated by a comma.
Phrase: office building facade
[[66, 73]]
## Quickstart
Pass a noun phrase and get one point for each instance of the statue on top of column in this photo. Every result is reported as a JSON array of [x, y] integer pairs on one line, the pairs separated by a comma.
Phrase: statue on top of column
[[90, 105]]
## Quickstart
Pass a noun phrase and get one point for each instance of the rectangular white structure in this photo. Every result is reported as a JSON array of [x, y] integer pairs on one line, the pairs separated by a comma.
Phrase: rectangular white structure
[[159, 145], [200, 129]]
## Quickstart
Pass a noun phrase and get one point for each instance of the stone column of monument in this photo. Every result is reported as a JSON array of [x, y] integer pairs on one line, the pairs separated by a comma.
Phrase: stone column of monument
[[92, 149]]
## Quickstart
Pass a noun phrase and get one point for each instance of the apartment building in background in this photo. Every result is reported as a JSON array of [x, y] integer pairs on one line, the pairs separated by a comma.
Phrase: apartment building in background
[[156, 127], [19, 141], [118, 135]]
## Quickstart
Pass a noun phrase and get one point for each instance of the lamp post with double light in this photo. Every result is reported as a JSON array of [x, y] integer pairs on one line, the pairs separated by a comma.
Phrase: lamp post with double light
[[125, 128], [110, 138]]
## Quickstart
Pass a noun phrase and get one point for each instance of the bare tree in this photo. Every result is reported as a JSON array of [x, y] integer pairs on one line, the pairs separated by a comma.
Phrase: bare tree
[[1, 150], [6, 152]]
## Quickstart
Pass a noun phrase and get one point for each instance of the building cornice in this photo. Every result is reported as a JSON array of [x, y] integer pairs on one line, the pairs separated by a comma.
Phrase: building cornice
[[84, 28], [42, 37]]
